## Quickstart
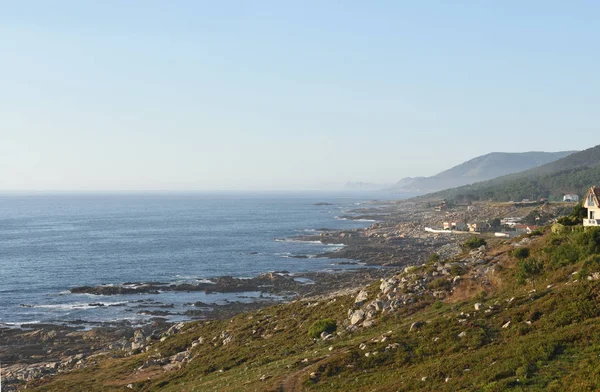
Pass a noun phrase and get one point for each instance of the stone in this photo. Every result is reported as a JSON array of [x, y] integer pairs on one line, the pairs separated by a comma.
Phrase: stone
[[368, 323], [462, 334], [478, 306], [357, 316], [361, 298], [506, 325]]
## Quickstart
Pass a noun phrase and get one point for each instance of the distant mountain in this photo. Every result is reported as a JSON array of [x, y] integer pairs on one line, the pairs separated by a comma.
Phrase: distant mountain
[[478, 169], [571, 174], [364, 186]]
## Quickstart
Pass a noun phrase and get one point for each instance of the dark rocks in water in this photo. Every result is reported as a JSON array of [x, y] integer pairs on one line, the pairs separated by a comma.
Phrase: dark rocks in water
[[115, 290], [97, 304], [276, 281], [201, 304], [323, 204]]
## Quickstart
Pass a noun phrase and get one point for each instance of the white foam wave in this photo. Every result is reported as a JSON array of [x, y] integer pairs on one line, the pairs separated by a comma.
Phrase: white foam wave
[[19, 323], [78, 305], [297, 241]]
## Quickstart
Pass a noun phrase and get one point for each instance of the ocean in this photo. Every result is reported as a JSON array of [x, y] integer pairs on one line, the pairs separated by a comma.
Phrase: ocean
[[50, 243]]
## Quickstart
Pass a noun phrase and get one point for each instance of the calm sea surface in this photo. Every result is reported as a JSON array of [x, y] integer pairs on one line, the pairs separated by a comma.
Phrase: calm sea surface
[[51, 243]]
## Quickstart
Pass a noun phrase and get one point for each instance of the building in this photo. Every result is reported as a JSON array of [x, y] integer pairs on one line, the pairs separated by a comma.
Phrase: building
[[510, 222], [478, 227], [459, 226], [571, 197], [592, 203], [525, 229]]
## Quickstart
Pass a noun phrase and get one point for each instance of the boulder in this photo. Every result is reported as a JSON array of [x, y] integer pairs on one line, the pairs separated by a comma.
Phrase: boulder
[[361, 298], [357, 316]]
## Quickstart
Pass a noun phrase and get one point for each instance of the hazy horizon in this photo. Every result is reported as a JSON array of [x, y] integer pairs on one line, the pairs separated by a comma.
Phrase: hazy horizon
[[234, 96]]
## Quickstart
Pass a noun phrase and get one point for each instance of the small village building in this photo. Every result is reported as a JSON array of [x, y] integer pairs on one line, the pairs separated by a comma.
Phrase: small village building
[[459, 226], [510, 221], [571, 198], [592, 203], [478, 227]]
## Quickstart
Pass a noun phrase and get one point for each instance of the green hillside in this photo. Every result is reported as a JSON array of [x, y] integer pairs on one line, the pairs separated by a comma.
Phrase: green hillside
[[572, 174], [518, 315]]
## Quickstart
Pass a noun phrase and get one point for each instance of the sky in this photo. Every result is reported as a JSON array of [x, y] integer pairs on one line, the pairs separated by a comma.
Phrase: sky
[[251, 95]]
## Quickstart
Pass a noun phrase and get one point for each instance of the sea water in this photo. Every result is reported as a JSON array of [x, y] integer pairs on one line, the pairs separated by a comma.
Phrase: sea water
[[50, 243]]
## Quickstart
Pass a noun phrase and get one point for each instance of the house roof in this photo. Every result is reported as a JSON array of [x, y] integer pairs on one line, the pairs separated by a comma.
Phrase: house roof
[[531, 227], [596, 192]]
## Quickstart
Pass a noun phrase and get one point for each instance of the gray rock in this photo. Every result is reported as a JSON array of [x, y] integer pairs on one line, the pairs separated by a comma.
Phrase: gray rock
[[361, 298], [357, 316]]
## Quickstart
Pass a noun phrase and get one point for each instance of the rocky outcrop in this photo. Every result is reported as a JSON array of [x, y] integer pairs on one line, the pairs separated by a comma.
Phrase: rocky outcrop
[[415, 283]]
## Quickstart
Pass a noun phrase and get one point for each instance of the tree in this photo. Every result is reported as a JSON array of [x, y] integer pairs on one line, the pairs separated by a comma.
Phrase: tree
[[529, 269]]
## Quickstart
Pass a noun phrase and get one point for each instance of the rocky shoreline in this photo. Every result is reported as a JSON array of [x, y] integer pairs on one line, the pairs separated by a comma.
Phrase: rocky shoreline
[[395, 241]]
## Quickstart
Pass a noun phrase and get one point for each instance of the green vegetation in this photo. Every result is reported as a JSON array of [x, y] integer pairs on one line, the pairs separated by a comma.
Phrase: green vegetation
[[318, 327], [474, 243], [575, 218], [520, 253], [529, 269], [434, 258], [516, 339], [574, 173]]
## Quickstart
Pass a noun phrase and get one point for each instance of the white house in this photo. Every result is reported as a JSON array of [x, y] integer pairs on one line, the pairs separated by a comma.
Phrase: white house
[[571, 197], [592, 203]]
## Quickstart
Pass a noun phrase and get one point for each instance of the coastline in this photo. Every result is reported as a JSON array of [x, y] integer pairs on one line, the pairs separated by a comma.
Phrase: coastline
[[391, 244], [36, 350]]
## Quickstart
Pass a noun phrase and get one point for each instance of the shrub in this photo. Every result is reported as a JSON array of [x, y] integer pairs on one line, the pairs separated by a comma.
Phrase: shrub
[[318, 327], [520, 253], [474, 243], [434, 258], [529, 269], [589, 240], [564, 255]]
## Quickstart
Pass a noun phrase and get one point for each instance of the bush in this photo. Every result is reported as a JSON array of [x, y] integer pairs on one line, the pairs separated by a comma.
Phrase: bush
[[520, 253], [474, 243], [529, 269], [434, 258], [318, 327]]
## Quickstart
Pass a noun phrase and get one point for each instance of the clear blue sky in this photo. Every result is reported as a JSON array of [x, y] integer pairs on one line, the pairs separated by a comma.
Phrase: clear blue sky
[[286, 95]]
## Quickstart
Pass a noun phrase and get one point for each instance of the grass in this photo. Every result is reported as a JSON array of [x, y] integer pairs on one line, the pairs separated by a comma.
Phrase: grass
[[552, 342]]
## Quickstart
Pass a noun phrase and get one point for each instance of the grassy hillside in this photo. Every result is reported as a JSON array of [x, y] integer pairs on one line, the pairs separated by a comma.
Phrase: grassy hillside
[[490, 320], [574, 173]]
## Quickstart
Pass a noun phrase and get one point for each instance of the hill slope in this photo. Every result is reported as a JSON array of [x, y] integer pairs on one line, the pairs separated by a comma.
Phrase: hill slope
[[472, 323], [573, 173], [481, 168]]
